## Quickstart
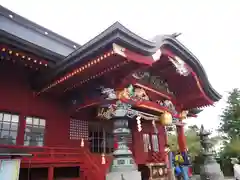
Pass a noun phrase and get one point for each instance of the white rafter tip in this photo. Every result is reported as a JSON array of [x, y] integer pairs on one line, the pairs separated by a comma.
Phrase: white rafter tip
[[119, 50], [157, 55]]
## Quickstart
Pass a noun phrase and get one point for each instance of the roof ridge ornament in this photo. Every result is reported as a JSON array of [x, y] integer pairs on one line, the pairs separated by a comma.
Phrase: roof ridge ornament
[[175, 35]]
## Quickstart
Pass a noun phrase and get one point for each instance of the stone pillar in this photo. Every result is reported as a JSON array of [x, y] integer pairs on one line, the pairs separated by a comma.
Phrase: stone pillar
[[123, 166]]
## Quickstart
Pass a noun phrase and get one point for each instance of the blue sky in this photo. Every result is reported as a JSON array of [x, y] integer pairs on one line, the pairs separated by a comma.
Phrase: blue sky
[[209, 29]]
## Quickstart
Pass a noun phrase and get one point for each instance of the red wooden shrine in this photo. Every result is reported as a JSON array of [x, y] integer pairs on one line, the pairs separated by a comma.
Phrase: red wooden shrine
[[50, 96]]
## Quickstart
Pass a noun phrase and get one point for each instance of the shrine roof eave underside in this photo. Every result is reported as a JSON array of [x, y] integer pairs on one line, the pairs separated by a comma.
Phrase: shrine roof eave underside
[[120, 35], [189, 58]]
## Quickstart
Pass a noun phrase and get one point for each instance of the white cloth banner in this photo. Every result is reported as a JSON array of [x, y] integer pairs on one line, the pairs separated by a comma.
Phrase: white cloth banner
[[236, 169], [9, 169]]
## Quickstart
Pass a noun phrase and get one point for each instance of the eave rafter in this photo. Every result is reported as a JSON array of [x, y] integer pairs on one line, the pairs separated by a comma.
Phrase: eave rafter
[[116, 50], [16, 56], [78, 71]]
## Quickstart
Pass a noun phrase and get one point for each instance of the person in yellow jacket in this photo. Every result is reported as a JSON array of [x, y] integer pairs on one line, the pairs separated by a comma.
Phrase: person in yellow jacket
[[179, 159], [178, 162]]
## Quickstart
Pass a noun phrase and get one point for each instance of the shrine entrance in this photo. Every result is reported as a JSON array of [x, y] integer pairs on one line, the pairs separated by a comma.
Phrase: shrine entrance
[[101, 137]]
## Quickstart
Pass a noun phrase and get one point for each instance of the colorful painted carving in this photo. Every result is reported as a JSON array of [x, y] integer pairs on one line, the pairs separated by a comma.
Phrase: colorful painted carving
[[157, 171], [155, 81], [140, 94], [133, 93], [159, 84], [126, 93], [168, 104], [105, 112], [109, 93], [141, 75], [123, 94]]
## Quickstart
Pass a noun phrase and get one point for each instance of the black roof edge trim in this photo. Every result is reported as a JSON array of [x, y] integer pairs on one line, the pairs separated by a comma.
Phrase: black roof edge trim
[[88, 52], [116, 33], [23, 45], [116, 37], [181, 51], [29, 24], [115, 28]]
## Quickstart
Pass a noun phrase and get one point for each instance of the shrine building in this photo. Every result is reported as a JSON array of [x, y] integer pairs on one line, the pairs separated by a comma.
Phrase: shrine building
[[60, 101]]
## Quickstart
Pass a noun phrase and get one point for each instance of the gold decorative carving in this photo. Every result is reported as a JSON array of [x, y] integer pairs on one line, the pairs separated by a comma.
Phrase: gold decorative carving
[[133, 93], [105, 113], [123, 94], [141, 94], [155, 81], [157, 171]]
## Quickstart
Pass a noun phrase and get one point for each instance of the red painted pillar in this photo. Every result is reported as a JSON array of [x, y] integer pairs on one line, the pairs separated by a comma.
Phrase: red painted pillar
[[21, 130], [181, 138], [50, 173]]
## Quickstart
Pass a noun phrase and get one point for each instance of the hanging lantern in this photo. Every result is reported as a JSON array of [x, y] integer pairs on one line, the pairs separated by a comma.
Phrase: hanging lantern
[[166, 118], [103, 159], [82, 143]]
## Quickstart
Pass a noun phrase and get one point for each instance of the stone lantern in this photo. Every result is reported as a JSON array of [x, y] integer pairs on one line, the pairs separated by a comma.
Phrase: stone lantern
[[210, 169]]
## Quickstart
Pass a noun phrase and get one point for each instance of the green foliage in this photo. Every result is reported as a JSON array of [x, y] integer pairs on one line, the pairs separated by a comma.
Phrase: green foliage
[[230, 118], [231, 149], [172, 141], [230, 125], [192, 139]]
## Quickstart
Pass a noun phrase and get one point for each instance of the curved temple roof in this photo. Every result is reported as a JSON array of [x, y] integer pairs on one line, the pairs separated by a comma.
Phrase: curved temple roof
[[70, 53], [117, 33]]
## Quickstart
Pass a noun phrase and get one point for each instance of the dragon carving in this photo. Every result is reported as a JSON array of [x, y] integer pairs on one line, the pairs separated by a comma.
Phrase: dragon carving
[[109, 93]]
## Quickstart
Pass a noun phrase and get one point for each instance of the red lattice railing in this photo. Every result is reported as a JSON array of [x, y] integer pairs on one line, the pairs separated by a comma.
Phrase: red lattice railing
[[44, 156]]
